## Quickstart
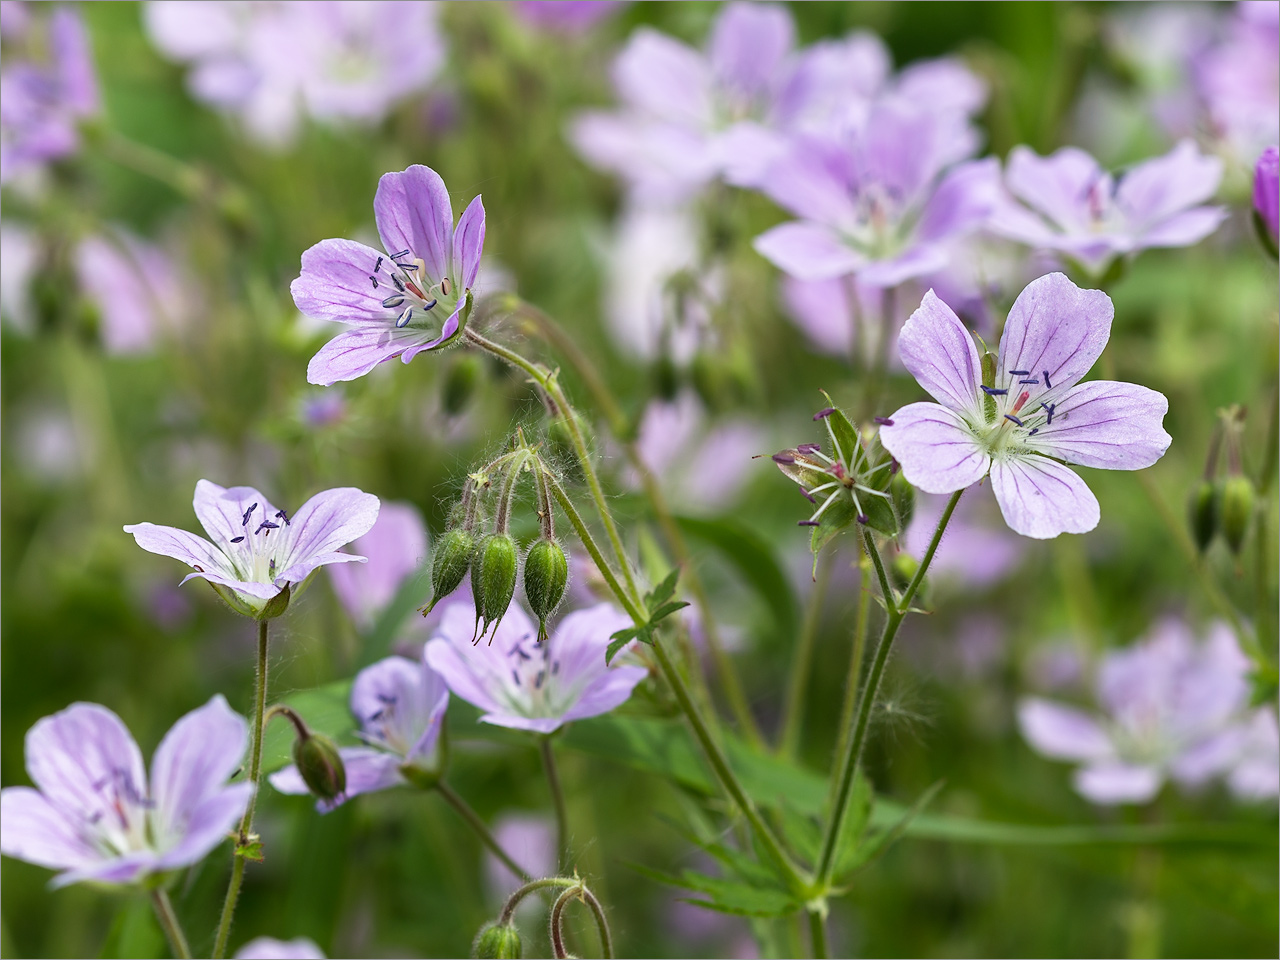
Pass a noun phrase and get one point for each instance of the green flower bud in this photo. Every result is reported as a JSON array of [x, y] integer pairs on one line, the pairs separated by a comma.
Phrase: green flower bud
[[450, 564], [497, 941], [546, 576], [494, 581], [1236, 510], [1202, 512], [320, 765], [904, 498], [460, 383]]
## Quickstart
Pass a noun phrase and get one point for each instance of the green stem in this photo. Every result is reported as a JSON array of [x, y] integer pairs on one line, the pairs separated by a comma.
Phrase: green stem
[[559, 951], [246, 822], [578, 891], [602, 923], [818, 932], [481, 831], [557, 800], [169, 920], [533, 886], [801, 660], [185, 179], [853, 752], [859, 650]]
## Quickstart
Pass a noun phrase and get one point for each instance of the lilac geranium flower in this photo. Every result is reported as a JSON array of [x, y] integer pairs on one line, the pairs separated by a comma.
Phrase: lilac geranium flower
[[1238, 80], [1033, 419], [1170, 708], [520, 683], [42, 102], [95, 815], [269, 948], [257, 549], [136, 287], [400, 704], [395, 545], [1073, 207], [1266, 191], [414, 297]]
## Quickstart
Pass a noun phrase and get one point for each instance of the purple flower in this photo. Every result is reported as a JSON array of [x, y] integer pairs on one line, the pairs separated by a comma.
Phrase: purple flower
[[1266, 195], [42, 102], [565, 16], [395, 545], [269, 948], [1170, 706], [1238, 80], [136, 288], [1077, 209], [414, 297], [520, 683], [530, 840], [400, 704], [258, 549], [1034, 415], [1255, 773], [274, 63], [95, 816]]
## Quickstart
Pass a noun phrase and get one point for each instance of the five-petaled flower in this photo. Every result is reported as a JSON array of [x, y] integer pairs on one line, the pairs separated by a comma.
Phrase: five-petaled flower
[[520, 683], [95, 815], [1034, 417], [257, 549], [416, 296], [400, 705]]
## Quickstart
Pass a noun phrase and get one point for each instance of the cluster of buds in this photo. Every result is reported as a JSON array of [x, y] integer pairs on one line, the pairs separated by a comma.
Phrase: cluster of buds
[[493, 558], [1223, 504]]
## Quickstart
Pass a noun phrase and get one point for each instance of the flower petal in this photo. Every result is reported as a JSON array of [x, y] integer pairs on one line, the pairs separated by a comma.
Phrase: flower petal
[[354, 353], [823, 309], [468, 244], [335, 283], [1106, 424], [127, 868], [447, 332], [1062, 732], [413, 212], [206, 825], [749, 43], [580, 641], [807, 251], [1057, 327], [1157, 189], [396, 546], [32, 829], [664, 78], [963, 201], [269, 948], [1057, 185], [940, 353], [1041, 498], [937, 451], [368, 770], [1114, 783], [181, 545], [224, 511], [606, 693], [329, 520], [1184, 229], [192, 765]]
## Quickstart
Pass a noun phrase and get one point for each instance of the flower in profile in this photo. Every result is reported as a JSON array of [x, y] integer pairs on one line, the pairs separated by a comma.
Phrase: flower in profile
[[95, 816], [416, 296], [1266, 193], [258, 550], [396, 545], [42, 101], [1070, 205], [136, 288], [1171, 708], [1031, 417], [269, 948], [520, 683], [400, 705]]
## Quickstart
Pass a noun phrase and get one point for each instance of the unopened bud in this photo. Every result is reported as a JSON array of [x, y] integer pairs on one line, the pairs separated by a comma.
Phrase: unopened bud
[[1236, 510], [902, 569], [460, 383], [450, 564], [320, 765], [1202, 512], [546, 576], [494, 582], [497, 941]]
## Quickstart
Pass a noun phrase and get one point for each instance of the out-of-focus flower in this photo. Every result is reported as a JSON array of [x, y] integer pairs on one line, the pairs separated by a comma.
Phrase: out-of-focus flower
[[1255, 773], [269, 948], [400, 704], [19, 256], [93, 814], [43, 101], [1266, 193], [415, 297], [1238, 80], [1032, 416], [975, 550], [258, 550], [323, 409], [1170, 709], [1074, 207], [565, 16], [273, 63], [396, 545], [136, 288], [530, 840], [530, 686]]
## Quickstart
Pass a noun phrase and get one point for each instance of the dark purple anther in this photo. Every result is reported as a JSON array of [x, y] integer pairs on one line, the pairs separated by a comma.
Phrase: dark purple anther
[[537, 682], [783, 458], [267, 525], [824, 413], [1034, 431], [378, 266], [1049, 408], [1021, 373], [1010, 416], [375, 282], [809, 448], [398, 282], [516, 677], [428, 306], [1047, 384], [281, 515], [809, 496], [239, 539], [993, 391], [894, 466], [245, 519], [402, 253], [1032, 380], [884, 421], [807, 523]]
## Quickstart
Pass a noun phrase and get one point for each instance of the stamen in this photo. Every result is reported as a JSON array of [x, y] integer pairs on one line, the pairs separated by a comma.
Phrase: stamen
[[808, 495], [809, 448], [280, 514], [824, 413], [444, 285], [239, 539], [1034, 431], [397, 256], [863, 519], [245, 519], [1021, 400], [403, 320], [375, 282], [992, 391], [884, 421], [1047, 384], [1021, 373], [398, 282], [1049, 408], [783, 458], [537, 683], [378, 266], [894, 466], [267, 525], [1032, 380], [807, 523], [393, 301], [516, 677], [407, 266], [520, 653], [428, 306], [271, 569], [1010, 416]]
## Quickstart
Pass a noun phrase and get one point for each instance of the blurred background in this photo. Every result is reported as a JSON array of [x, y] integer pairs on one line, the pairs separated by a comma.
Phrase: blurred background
[[149, 340]]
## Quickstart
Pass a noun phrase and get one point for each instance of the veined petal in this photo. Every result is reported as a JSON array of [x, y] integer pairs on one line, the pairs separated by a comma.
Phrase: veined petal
[[413, 212], [127, 868], [182, 545], [447, 332], [193, 763], [1062, 732], [1157, 189], [474, 678], [580, 641], [1106, 424], [1184, 229], [335, 283], [1057, 327], [250, 588], [606, 692], [32, 829], [940, 353], [936, 448], [1041, 498], [963, 201], [807, 251], [468, 244], [1057, 185], [357, 351], [812, 180], [1113, 783], [224, 511], [329, 520]]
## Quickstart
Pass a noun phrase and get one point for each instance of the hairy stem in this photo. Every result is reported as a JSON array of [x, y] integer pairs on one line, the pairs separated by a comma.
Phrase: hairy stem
[[818, 932], [481, 831], [169, 920], [533, 886], [557, 800]]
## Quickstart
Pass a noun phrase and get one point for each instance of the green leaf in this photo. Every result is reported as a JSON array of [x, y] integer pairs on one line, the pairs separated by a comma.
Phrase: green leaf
[[870, 845], [880, 514], [755, 558], [620, 640], [663, 591], [728, 896], [666, 610]]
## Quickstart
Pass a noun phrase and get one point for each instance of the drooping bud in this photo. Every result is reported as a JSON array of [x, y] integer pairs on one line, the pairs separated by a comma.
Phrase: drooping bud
[[494, 580], [320, 765], [546, 577], [497, 941], [1202, 512], [460, 383], [450, 564], [1236, 510]]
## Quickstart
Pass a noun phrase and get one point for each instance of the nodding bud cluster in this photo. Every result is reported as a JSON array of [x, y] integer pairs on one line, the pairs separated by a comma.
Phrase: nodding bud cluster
[[1220, 504], [316, 756], [493, 558], [497, 941]]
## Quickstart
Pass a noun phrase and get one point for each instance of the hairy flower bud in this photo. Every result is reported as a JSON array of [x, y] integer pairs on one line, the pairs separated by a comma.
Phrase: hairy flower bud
[[1202, 511], [497, 941], [1236, 510], [494, 581], [460, 383], [546, 576], [450, 564], [320, 765]]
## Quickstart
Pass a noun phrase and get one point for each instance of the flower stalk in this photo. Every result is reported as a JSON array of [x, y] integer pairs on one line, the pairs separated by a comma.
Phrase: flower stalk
[[557, 800], [169, 921], [482, 832]]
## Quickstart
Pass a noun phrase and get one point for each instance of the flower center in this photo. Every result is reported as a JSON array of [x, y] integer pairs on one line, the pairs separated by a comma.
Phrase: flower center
[[256, 554], [119, 825], [412, 297], [538, 692]]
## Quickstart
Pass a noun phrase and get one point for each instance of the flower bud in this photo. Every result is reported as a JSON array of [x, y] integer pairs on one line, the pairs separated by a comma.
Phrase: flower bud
[[494, 582], [902, 569], [460, 383], [1236, 510], [497, 941], [320, 765], [449, 565], [546, 576], [1202, 512]]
